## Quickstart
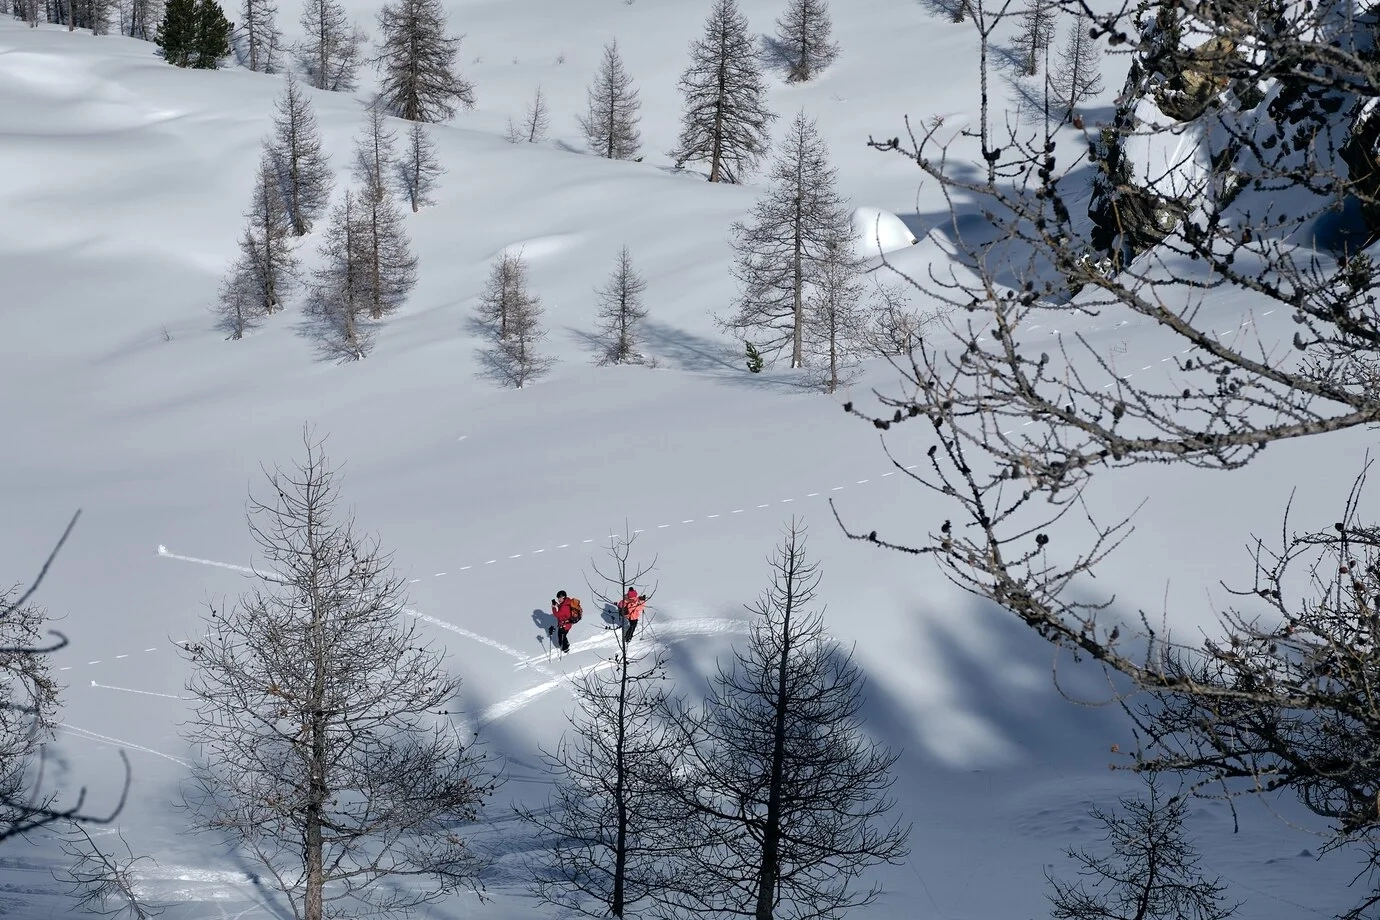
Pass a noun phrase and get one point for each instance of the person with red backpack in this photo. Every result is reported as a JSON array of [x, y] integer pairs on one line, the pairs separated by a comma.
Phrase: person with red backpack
[[567, 612], [631, 608]]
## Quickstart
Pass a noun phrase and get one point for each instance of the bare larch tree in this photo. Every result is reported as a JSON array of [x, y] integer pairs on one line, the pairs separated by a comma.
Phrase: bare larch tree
[[257, 281], [804, 38], [418, 168], [1037, 31], [339, 292], [103, 881], [390, 268], [304, 173], [374, 155], [1078, 72], [325, 750], [1153, 871], [259, 35], [1024, 431], [621, 312], [780, 251], [504, 293], [29, 714], [510, 314], [418, 79], [537, 120], [605, 833], [788, 795], [330, 51], [611, 121], [140, 18], [838, 322], [726, 118]]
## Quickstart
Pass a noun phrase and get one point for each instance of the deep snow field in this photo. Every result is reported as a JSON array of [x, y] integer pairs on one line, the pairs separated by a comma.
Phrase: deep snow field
[[122, 182]]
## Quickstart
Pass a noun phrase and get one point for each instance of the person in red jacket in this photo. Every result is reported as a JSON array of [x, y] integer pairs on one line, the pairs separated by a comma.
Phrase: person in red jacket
[[567, 612], [631, 607]]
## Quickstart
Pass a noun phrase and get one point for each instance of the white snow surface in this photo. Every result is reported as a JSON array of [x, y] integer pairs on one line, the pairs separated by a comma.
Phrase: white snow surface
[[877, 232], [122, 183]]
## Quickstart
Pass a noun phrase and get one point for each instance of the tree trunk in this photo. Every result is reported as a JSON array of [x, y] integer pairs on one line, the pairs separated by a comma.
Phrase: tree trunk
[[620, 853], [798, 294], [316, 792], [717, 152], [771, 831], [375, 270]]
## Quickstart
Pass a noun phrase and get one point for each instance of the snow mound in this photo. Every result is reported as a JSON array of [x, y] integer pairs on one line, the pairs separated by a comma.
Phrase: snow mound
[[877, 232]]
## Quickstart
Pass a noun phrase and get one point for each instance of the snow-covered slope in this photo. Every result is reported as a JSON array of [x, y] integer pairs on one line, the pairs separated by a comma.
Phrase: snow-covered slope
[[121, 186]]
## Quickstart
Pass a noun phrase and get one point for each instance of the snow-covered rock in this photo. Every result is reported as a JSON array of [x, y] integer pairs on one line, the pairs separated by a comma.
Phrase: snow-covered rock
[[877, 232]]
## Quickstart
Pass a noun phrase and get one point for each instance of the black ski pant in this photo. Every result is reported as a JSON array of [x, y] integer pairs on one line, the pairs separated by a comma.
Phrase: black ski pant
[[629, 627]]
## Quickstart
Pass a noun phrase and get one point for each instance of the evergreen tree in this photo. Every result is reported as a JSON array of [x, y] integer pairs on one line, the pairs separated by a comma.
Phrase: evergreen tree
[[726, 119], [418, 76], [803, 37], [263, 42], [837, 323], [374, 155], [212, 35], [176, 34], [621, 312], [788, 794], [418, 169], [304, 175], [329, 55], [194, 33], [781, 251], [611, 124], [1037, 31], [1078, 73]]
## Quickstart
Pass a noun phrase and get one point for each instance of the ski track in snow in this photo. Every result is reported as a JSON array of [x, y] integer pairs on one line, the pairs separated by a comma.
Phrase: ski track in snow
[[670, 630], [93, 736]]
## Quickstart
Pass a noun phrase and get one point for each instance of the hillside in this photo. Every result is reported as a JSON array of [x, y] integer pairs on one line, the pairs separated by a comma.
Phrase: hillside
[[122, 182]]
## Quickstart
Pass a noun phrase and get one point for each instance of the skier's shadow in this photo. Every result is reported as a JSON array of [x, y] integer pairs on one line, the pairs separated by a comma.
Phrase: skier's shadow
[[611, 617], [545, 620]]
